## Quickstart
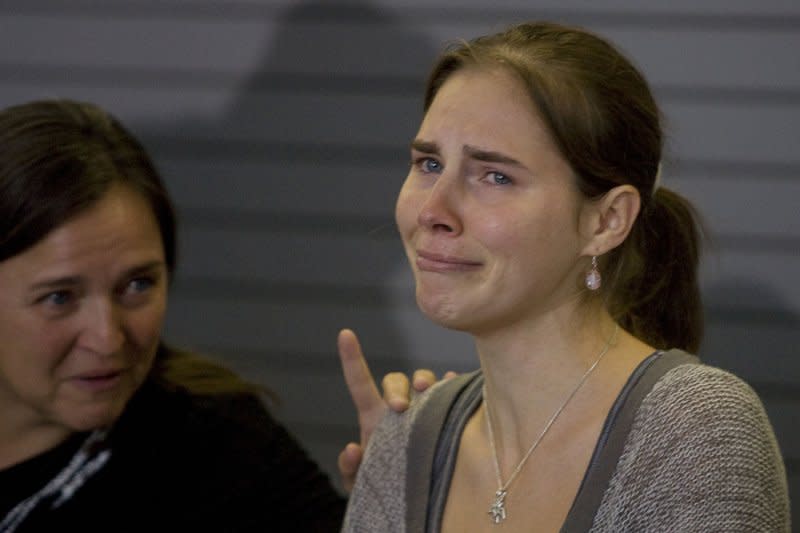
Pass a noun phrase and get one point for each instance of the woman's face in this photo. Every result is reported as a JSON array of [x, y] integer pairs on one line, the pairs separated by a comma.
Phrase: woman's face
[[80, 317], [489, 214]]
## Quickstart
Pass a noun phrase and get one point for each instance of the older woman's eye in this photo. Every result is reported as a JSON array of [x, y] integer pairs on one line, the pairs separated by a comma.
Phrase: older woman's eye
[[137, 291], [57, 298], [498, 178], [137, 285], [57, 303]]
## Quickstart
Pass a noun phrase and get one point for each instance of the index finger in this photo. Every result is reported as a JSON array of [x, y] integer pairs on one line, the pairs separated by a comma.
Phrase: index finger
[[357, 375]]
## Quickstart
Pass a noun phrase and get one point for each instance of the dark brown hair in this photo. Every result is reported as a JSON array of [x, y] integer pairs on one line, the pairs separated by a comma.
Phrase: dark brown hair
[[60, 157], [602, 116]]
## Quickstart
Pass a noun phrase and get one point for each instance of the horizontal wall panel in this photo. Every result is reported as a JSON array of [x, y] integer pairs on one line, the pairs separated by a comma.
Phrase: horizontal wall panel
[[753, 279], [689, 56], [219, 45], [706, 7], [229, 46], [218, 115], [171, 111], [253, 255], [251, 8], [290, 327], [744, 205], [758, 133], [360, 188], [761, 353], [755, 133]]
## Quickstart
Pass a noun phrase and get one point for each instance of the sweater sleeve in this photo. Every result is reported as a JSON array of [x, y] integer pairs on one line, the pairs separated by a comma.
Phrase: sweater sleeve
[[379, 501], [701, 456]]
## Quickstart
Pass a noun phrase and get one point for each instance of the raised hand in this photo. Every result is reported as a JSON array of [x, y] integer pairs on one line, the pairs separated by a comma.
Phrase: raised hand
[[369, 403]]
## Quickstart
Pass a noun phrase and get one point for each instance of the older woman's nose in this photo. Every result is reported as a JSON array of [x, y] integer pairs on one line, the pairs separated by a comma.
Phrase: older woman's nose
[[103, 331]]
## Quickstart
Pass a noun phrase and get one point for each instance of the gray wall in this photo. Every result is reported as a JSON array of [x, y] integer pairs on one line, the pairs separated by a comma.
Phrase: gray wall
[[282, 130]]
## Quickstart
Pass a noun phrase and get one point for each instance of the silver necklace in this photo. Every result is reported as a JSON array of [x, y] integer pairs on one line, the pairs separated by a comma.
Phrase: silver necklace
[[498, 511]]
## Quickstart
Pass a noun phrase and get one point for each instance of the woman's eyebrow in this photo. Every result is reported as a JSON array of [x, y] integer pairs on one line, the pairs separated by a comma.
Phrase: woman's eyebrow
[[490, 156], [53, 283], [427, 147]]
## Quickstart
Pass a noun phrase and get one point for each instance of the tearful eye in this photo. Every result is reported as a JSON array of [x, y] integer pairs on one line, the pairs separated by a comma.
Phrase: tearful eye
[[430, 165], [499, 179]]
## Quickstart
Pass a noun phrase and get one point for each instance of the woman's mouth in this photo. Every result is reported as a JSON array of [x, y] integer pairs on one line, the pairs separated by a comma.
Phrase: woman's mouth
[[434, 262], [98, 381]]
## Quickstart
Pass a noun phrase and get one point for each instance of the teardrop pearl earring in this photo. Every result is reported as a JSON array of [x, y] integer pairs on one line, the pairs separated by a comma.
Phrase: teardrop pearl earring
[[593, 277]]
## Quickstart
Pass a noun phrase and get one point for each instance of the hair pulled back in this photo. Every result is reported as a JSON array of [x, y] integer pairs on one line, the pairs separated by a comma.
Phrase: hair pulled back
[[602, 115]]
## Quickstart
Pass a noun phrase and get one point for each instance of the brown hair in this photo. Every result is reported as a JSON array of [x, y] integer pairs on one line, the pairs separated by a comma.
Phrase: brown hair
[[60, 157], [602, 116]]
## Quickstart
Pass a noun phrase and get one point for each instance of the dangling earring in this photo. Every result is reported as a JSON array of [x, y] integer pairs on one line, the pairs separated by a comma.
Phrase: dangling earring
[[593, 279]]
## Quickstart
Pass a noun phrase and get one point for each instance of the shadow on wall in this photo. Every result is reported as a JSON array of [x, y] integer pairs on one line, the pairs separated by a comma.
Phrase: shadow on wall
[[754, 333], [287, 204]]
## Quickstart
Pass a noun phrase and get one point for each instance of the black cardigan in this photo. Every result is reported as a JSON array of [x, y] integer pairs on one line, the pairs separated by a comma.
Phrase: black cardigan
[[186, 463]]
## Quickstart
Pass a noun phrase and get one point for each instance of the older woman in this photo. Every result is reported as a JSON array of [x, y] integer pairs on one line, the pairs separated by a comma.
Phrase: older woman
[[533, 219], [102, 426]]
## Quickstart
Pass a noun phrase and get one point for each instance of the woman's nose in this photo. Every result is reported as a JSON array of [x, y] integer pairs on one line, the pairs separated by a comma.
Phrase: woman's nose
[[441, 209], [103, 332]]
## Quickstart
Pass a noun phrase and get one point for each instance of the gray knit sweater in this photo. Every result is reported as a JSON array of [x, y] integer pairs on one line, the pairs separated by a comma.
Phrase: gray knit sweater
[[698, 456]]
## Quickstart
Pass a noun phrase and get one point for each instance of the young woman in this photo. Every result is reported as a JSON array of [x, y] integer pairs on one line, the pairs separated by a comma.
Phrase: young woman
[[533, 218]]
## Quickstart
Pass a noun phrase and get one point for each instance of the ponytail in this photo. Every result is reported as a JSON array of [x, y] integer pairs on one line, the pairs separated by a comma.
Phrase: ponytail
[[653, 290]]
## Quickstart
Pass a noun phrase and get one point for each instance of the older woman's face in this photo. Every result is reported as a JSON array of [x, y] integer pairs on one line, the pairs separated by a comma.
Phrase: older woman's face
[[80, 317], [489, 214]]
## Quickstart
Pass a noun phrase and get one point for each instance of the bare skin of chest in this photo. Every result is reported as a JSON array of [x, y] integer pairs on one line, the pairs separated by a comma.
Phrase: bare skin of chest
[[540, 498], [537, 500]]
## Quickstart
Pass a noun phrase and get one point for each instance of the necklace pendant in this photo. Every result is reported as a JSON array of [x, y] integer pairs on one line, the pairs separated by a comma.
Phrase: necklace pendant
[[498, 509]]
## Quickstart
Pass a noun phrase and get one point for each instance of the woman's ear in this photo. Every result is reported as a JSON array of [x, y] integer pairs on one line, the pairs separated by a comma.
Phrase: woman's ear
[[607, 221]]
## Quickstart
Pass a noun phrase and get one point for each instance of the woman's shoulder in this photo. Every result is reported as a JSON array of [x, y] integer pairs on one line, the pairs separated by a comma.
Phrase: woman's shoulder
[[697, 391], [187, 411], [710, 410], [700, 435], [427, 408], [180, 429], [248, 463]]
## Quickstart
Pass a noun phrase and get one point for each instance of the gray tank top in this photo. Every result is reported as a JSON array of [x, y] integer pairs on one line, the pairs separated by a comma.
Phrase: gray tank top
[[458, 410]]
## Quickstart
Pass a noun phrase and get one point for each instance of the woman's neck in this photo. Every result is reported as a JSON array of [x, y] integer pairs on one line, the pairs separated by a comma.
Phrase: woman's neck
[[530, 370], [19, 442]]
